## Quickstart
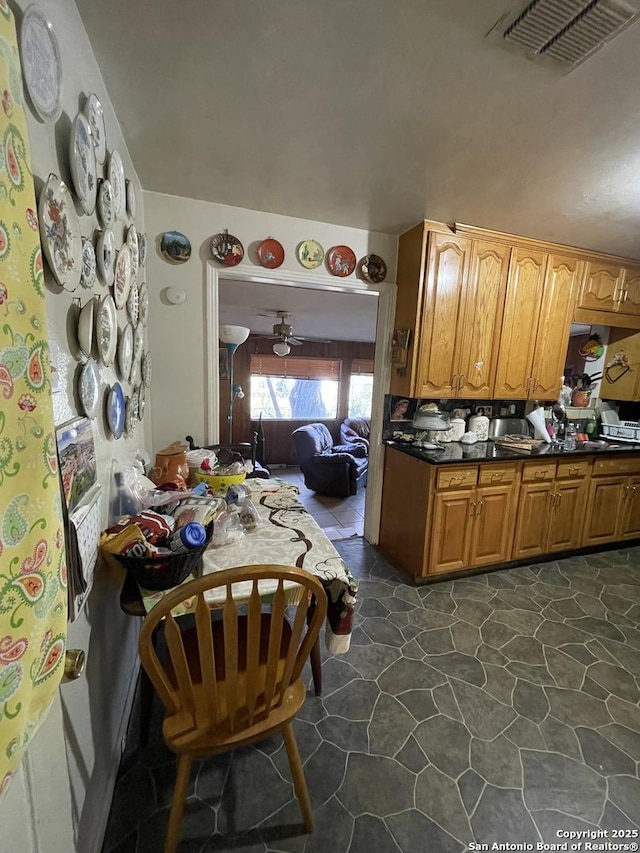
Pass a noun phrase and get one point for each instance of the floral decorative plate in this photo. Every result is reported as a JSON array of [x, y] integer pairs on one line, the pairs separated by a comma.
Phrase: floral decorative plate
[[132, 305], [131, 414], [143, 300], [115, 410], [142, 248], [88, 274], [41, 64], [227, 249], [341, 261], [105, 203], [60, 233], [310, 254], [271, 253], [115, 173], [132, 243], [106, 256], [174, 247], [83, 163], [373, 269], [122, 277], [94, 112], [145, 368], [131, 198], [125, 352], [89, 388], [107, 330]]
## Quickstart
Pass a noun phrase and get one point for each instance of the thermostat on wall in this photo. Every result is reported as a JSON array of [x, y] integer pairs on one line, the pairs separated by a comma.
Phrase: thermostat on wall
[[176, 295]]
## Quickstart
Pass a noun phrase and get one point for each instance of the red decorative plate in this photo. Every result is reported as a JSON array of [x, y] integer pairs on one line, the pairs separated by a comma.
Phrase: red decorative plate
[[341, 261], [227, 249], [270, 253]]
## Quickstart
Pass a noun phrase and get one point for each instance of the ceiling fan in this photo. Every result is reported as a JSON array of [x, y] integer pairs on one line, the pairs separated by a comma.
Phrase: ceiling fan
[[283, 335]]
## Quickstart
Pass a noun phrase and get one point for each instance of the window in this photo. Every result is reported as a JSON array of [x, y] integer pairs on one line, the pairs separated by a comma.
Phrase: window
[[294, 388], [361, 388]]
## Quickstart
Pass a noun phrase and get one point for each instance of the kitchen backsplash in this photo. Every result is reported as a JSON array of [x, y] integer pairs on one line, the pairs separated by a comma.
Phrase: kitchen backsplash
[[399, 411]]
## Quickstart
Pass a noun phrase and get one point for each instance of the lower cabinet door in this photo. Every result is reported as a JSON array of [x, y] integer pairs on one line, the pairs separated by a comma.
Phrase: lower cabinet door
[[492, 533], [568, 501], [532, 525], [451, 530], [631, 510], [604, 510]]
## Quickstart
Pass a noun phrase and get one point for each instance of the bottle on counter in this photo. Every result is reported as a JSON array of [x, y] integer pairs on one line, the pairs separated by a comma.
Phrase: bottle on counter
[[570, 436], [123, 503]]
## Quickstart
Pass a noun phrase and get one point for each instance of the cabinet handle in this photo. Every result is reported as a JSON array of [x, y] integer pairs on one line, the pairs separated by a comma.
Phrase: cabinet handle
[[454, 382], [496, 477], [458, 479], [540, 475], [480, 507], [461, 381], [574, 470], [617, 294], [624, 295], [473, 509]]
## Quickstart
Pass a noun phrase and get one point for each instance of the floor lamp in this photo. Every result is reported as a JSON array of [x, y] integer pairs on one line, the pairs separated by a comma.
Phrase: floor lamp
[[232, 336]]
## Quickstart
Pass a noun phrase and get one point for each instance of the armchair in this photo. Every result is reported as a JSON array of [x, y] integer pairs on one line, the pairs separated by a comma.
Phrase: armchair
[[338, 470], [356, 431]]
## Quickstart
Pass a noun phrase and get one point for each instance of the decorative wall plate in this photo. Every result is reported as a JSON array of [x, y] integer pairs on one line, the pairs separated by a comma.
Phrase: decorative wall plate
[[86, 323], [373, 269], [115, 410], [143, 303], [132, 243], [271, 253], [115, 173], [82, 159], [341, 261], [41, 64], [89, 388], [106, 256], [227, 249], [174, 247], [107, 330], [125, 352], [122, 277], [141, 402], [105, 203], [94, 112], [310, 254], [60, 233], [131, 198], [130, 415], [88, 274], [142, 248], [132, 305], [145, 368]]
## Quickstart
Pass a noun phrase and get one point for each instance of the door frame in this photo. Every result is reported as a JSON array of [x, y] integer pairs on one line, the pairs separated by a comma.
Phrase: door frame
[[386, 293]]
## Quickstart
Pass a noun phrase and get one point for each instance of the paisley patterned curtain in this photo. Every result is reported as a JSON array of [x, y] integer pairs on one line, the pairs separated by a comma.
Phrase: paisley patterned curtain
[[33, 596]]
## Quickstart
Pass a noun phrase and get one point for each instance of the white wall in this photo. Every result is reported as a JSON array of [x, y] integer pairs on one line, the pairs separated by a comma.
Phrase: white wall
[[177, 332], [92, 709]]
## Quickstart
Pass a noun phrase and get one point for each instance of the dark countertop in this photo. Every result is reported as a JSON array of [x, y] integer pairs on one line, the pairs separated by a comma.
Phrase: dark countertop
[[487, 451]]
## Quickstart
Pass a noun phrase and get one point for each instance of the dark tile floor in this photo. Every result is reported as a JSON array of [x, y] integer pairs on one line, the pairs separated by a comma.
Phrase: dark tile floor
[[500, 708], [340, 518]]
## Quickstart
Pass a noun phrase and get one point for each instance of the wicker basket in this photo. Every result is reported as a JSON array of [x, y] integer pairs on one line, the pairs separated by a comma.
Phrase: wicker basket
[[164, 571]]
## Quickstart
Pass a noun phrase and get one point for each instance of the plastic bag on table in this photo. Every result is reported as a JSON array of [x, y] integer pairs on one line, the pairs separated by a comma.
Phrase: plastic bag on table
[[227, 529], [248, 514]]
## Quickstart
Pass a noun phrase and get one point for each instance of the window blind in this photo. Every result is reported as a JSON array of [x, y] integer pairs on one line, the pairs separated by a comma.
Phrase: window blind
[[361, 365], [295, 367]]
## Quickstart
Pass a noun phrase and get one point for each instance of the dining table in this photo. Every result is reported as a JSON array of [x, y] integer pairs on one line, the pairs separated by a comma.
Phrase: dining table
[[285, 534]]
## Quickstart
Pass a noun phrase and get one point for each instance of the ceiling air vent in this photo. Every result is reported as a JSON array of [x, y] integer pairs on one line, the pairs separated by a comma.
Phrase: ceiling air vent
[[565, 32]]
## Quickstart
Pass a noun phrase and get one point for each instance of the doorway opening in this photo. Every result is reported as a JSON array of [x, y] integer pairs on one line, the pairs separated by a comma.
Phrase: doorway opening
[[336, 322]]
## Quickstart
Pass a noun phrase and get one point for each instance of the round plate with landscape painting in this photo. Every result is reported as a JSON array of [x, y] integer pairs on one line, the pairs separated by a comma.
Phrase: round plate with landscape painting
[[341, 261], [271, 253], [310, 254]]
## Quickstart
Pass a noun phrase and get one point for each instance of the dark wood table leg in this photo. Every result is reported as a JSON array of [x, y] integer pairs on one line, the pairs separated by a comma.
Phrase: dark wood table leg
[[147, 693], [315, 657]]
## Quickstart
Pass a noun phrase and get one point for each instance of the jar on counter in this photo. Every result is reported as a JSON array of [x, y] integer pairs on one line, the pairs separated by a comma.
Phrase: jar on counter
[[480, 425], [458, 426]]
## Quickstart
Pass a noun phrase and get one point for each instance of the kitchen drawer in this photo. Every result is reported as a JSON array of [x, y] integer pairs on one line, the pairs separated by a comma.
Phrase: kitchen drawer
[[573, 470], [494, 475], [616, 465], [538, 472], [456, 478]]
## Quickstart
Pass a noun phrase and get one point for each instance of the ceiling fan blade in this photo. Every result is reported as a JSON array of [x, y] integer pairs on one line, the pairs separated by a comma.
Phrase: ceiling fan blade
[[295, 342]]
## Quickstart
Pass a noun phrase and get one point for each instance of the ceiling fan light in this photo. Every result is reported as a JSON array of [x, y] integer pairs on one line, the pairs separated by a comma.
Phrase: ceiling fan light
[[281, 348]]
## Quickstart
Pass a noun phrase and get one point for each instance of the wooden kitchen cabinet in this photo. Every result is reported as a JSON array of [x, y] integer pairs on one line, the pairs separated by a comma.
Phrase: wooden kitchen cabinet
[[630, 526], [451, 530], [631, 292], [533, 520], [492, 527], [610, 295], [625, 386], [566, 515], [604, 506], [601, 286]]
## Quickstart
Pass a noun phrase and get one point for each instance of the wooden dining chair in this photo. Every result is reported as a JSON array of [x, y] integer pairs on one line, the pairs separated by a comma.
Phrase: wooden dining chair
[[229, 681]]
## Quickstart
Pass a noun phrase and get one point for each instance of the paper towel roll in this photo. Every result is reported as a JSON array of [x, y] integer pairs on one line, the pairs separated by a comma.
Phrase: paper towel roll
[[536, 417]]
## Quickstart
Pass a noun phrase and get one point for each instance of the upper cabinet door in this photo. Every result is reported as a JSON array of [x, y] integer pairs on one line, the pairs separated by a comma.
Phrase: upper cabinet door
[[481, 313], [520, 323], [601, 286], [554, 326], [447, 270], [630, 303]]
